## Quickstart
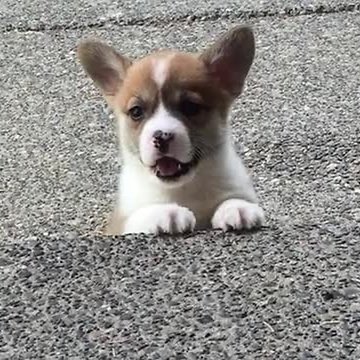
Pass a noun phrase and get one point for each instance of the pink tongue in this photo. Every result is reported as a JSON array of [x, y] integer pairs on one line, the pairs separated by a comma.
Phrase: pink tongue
[[167, 166]]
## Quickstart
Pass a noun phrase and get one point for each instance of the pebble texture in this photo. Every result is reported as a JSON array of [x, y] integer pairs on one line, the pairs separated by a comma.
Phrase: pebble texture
[[290, 291], [279, 293]]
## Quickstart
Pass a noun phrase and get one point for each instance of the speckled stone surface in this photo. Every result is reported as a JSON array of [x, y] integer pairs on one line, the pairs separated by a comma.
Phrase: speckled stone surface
[[38, 15], [290, 291], [282, 293]]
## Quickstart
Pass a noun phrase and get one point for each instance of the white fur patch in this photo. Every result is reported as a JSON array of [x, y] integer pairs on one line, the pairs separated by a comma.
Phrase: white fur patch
[[237, 214], [160, 70], [160, 218], [216, 179]]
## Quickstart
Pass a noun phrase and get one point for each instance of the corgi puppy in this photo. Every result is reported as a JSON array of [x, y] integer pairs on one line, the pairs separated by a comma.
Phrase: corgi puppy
[[180, 171]]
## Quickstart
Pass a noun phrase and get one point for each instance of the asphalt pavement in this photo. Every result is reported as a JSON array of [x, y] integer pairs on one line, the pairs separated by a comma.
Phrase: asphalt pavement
[[288, 291]]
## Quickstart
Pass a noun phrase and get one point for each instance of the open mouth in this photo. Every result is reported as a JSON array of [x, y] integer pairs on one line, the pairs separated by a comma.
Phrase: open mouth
[[169, 169]]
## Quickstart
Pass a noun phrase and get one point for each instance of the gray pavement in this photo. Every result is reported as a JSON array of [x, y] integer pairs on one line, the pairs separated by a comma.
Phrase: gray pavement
[[289, 291], [42, 14]]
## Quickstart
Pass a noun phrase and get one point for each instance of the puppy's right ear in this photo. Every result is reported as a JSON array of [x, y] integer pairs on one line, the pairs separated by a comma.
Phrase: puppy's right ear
[[229, 60], [104, 65]]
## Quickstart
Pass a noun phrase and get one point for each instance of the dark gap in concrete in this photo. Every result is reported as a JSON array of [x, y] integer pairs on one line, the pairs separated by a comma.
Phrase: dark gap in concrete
[[217, 14]]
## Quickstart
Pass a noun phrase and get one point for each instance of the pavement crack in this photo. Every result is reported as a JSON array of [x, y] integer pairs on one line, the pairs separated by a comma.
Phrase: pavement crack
[[215, 14]]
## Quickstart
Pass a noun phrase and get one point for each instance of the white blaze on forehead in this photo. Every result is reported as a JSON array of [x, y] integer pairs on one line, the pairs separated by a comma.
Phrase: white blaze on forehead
[[160, 70]]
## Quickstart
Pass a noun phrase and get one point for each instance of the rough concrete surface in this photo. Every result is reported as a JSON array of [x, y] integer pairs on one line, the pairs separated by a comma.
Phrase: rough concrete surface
[[289, 291], [42, 14]]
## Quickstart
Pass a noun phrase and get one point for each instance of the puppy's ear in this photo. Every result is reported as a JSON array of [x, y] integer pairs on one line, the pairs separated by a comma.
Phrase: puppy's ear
[[228, 61], [104, 65]]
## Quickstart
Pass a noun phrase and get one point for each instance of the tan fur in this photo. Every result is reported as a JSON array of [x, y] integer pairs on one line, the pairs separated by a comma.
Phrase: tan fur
[[114, 224], [187, 75]]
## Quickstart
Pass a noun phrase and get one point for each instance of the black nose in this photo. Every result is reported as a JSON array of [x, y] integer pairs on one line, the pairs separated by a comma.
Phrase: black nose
[[162, 135], [161, 140]]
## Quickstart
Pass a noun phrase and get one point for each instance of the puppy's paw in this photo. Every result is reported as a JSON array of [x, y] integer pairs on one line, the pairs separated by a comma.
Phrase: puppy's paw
[[161, 218], [236, 214]]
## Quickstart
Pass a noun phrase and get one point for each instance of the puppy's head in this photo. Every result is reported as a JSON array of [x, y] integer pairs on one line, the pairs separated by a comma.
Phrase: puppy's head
[[172, 106]]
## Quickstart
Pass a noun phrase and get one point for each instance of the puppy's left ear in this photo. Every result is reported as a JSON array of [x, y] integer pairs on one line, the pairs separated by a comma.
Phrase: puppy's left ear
[[229, 60]]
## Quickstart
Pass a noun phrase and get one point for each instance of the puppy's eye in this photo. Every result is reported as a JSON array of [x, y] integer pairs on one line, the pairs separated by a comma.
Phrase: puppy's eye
[[136, 113], [190, 108]]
